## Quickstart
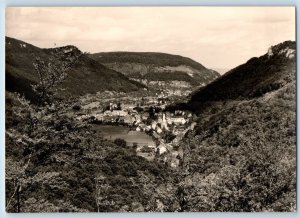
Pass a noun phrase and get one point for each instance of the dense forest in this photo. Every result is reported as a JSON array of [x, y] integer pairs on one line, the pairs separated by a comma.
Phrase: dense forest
[[244, 146]]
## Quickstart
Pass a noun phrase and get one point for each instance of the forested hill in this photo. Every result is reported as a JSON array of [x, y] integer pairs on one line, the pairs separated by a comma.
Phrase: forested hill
[[243, 149], [20, 73], [252, 79], [154, 66]]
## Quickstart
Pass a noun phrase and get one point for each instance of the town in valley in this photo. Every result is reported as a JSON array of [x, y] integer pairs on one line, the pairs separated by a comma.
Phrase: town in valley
[[141, 114]]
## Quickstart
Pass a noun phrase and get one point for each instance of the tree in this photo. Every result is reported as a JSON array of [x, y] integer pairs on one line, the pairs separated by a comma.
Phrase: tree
[[35, 132], [168, 136], [119, 106], [120, 142], [53, 72]]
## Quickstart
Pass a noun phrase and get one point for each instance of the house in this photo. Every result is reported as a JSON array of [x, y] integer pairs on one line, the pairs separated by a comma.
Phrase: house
[[168, 115], [99, 117], [132, 112], [169, 147], [169, 121], [107, 113], [192, 127], [153, 124], [138, 118], [155, 135], [113, 106], [151, 102], [178, 112], [159, 120], [158, 130], [128, 119], [174, 162], [145, 115], [178, 120], [180, 153], [175, 154], [162, 148], [143, 126], [82, 117], [120, 113]]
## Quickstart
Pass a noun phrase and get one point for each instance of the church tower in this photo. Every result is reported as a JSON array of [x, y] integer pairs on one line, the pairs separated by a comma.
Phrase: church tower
[[164, 124]]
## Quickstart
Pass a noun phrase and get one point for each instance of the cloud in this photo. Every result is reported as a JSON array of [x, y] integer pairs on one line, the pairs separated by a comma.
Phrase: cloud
[[220, 37]]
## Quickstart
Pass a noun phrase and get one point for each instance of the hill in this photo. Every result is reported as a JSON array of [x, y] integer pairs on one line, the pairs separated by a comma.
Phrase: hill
[[152, 66], [20, 73], [243, 149], [252, 79]]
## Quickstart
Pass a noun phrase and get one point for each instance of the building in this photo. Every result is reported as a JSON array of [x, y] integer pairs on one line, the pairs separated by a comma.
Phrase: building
[[143, 127], [158, 130], [192, 127], [164, 124], [155, 135], [145, 115], [128, 119], [178, 120], [120, 113], [174, 162], [153, 124], [162, 148], [138, 118]]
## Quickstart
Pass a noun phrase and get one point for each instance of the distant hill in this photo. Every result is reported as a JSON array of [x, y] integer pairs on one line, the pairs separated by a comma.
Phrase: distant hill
[[221, 70], [243, 149], [86, 76], [153, 66]]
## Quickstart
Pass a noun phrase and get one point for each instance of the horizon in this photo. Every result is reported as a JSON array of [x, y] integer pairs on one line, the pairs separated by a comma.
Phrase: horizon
[[171, 30]]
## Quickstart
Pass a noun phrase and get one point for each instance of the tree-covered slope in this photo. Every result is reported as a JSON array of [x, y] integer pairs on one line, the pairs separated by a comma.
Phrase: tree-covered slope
[[86, 76], [56, 161], [252, 79], [242, 154]]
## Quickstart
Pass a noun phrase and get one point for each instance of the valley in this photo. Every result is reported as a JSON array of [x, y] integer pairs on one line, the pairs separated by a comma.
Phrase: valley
[[134, 131]]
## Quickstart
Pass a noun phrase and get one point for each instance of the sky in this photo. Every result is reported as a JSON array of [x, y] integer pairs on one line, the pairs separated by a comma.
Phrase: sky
[[217, 37]]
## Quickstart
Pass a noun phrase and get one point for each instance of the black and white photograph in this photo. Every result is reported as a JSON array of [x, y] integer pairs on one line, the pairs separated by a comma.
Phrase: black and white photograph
[[150, 109]]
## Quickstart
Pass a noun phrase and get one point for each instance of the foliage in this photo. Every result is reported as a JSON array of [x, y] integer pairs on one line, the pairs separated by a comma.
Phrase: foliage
[[52, 73], [56, 160], [244, 154], [120, 142], [168, 136]]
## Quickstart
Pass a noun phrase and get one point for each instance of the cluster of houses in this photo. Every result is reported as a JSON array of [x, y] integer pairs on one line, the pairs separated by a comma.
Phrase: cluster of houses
[[171, 153], [177, 123]]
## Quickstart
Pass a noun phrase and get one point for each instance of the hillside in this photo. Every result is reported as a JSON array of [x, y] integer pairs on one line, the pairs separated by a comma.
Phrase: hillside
[[243, 149], [64, 157], [151, 67], [252, 79], [20, 73]]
